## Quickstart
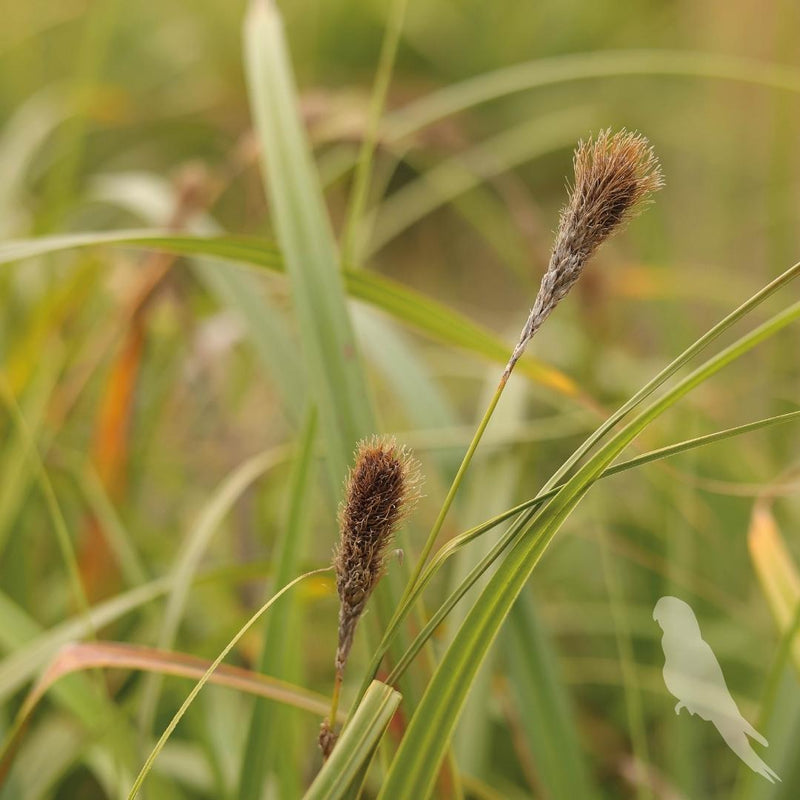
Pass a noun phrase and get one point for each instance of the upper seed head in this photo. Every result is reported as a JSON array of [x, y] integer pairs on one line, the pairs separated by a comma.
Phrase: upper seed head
[[615, 176]]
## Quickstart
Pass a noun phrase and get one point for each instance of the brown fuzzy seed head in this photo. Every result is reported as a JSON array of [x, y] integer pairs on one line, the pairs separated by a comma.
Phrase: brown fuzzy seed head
[[615, 175], [381, 489]]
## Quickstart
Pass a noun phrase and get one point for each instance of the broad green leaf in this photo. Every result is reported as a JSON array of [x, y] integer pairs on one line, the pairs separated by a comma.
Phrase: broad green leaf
[[357, 743]]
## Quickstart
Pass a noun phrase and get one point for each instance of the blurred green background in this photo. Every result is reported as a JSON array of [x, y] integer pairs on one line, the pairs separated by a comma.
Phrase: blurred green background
[[136, 385]]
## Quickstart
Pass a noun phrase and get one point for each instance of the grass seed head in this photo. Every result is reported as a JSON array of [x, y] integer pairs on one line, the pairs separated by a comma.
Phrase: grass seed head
[[381, 489], [615, 176]]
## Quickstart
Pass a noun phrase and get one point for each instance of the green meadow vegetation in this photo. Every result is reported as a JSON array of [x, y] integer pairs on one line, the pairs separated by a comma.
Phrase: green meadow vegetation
[[239, 239]]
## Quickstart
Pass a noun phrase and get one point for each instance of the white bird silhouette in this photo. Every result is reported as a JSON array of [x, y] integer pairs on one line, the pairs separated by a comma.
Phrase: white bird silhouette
[[693, 675]]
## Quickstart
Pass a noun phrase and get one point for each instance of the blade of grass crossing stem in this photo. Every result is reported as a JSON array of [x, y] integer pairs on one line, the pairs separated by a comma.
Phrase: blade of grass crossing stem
[[408, 306], [263, 751], [422, 313], [148, 764], [357, 744], [415, 766], [306, 240], [457, 542], [547, 719], [187, 562]]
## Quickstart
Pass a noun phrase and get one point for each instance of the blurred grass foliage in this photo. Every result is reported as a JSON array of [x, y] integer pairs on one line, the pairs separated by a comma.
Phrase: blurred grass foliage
[[168, 401]]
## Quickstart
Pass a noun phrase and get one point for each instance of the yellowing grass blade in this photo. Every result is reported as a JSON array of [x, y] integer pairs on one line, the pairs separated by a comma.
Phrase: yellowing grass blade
[[776, 571]]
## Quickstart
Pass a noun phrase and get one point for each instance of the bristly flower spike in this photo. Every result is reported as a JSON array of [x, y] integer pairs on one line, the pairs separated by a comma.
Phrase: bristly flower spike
[[615, 176], [381, 490]]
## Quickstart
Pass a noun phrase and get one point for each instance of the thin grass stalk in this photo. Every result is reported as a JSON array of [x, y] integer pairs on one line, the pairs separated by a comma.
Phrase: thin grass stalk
[[159, 746], [358, 197]]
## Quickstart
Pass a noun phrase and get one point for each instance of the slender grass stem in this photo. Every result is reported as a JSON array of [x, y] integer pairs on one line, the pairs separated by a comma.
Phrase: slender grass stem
[[159, 746], [355, 210], [454, 487]]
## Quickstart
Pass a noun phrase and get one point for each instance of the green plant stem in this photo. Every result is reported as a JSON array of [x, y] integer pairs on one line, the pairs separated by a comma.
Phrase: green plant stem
[[409, 592], [454, 487], [358, 198]]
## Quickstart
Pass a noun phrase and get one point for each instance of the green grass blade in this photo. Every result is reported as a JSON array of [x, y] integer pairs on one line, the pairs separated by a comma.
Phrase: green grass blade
[[188, 560], [406, 305], [18, 470], [586, 66], [446, 181], [357, 743], [361, 178], [62, 535], [462, 540], [34, 647], [306, 240], [545, 713], [118, 537], [262, 752], [415, 766]]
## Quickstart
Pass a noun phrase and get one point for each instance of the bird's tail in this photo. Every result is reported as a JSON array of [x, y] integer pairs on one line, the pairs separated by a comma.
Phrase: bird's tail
[[754, 734], [736, 739]]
